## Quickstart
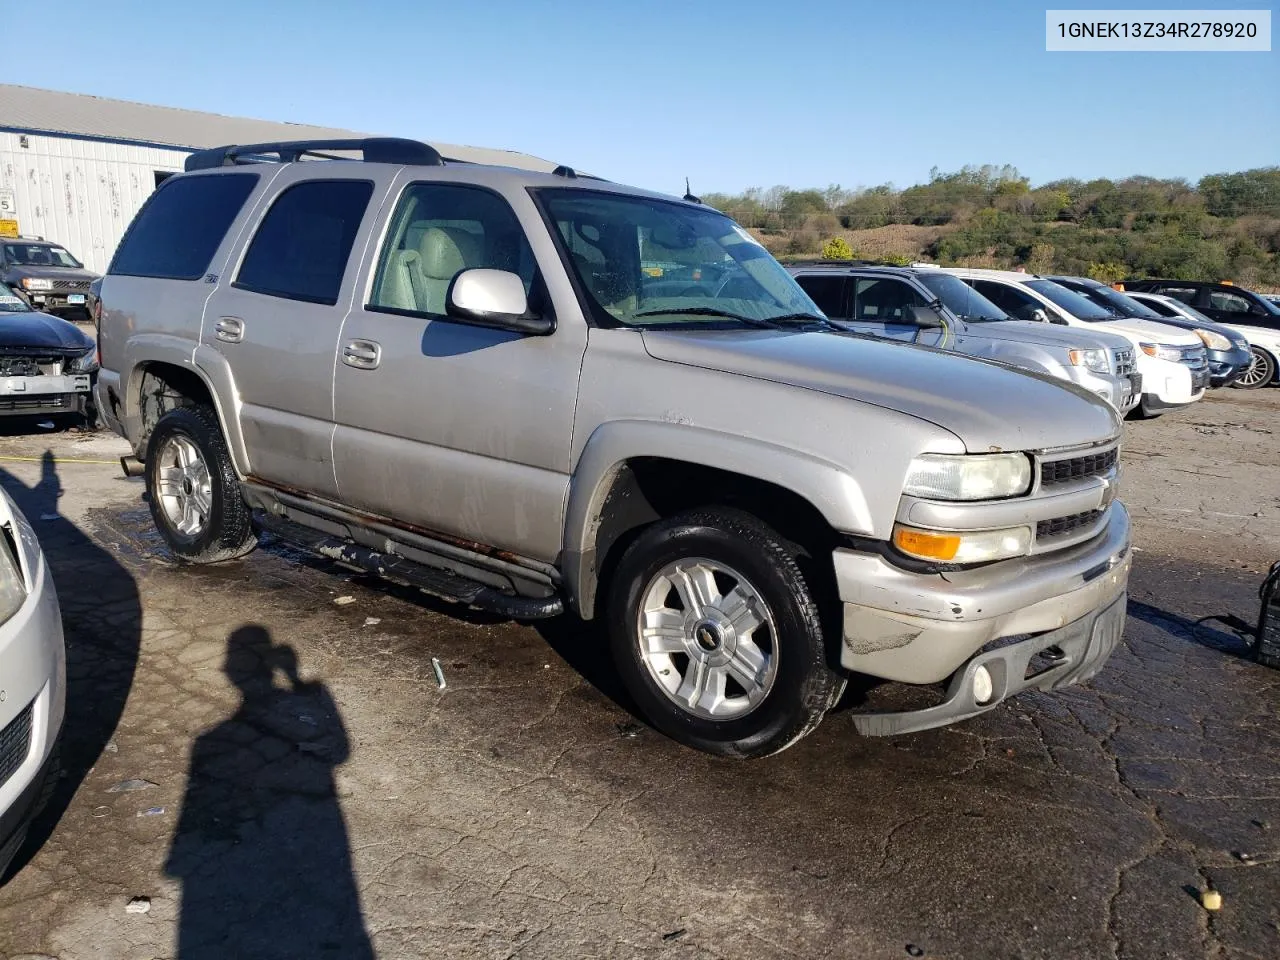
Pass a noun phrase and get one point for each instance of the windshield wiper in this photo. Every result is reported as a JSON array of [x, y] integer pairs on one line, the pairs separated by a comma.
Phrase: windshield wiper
[[771, 323]]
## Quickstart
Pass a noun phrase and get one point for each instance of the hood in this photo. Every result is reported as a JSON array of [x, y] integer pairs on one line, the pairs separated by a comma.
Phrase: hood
[[1147, 330], [987, 405], [34, 332], [15, 273], [1027, 331]]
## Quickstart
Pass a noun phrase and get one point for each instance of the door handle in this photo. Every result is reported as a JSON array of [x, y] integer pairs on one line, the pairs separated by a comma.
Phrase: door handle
[[229, 329], [362, 354]]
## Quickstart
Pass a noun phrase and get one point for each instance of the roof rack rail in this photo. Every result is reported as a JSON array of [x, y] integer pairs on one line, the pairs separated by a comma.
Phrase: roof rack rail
[[372, 150], [841, 263]]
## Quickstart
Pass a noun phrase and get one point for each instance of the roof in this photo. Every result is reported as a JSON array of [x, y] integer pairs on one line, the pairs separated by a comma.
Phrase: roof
[[31, 110], [981, 273]]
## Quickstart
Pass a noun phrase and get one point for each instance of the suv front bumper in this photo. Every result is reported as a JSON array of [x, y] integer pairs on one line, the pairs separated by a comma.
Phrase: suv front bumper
[[921, 628]]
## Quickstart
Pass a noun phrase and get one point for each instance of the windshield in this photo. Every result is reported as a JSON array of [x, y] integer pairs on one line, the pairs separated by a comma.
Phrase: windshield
[[10, 303], [1117, 302], [1070, 301], [1271, 305], [38, 255], [649, 262], [961, 299]]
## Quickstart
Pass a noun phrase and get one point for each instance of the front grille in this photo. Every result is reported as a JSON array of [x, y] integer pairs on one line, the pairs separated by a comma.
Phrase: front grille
[[1063, 525], [1078, 468], [1124, 362], [46, 401], [71, 284], [30, 366], [15, 744]]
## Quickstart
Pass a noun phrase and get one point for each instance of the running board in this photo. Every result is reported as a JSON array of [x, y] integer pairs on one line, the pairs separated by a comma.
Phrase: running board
[[438, 583]]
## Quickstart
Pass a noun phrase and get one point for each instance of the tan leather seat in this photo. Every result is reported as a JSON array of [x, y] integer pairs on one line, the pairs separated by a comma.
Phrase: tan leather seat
[[418, 279]]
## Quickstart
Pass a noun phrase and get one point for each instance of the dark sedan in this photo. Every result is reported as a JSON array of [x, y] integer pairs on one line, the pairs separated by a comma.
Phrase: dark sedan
[[47, 365], [1228, 351]]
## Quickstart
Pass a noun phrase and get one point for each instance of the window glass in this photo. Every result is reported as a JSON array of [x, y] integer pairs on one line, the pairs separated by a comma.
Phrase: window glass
[[883, 301], [961, 299], [438, 231], [1185, 294], [826, 291], [1019, 305], [1070, 301], [1157, 306], [39, 255], [179, 228], [1228, 302], [614, 242], [11, 303], [300, 251]]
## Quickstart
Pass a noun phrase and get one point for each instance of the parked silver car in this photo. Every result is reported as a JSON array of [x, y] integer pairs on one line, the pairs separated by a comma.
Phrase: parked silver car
[[33, 679], [459, 376], [922, 305]]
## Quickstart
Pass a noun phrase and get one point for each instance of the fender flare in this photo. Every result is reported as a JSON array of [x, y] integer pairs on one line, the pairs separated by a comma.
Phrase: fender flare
[[830, 488]]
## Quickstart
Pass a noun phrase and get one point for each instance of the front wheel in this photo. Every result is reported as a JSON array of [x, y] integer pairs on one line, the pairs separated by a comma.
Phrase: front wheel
[[193, 488], [717, 635], [1261, 371]]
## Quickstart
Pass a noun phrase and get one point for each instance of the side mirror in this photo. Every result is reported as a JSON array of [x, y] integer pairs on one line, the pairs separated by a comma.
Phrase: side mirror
[[926, 318], [496, 299]]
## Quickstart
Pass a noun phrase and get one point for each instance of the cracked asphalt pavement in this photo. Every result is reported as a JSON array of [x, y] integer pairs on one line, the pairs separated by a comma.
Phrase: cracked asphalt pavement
[[305, 788]]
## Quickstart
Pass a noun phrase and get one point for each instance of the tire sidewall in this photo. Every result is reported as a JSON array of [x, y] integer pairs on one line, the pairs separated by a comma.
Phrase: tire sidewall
[[183, 421], [797, 639]]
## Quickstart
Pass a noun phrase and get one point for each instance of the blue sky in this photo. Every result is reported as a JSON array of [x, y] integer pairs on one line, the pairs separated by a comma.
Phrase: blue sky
[[731, 94]]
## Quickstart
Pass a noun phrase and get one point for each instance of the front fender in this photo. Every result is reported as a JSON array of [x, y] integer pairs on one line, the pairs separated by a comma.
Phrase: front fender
[[831, 489]]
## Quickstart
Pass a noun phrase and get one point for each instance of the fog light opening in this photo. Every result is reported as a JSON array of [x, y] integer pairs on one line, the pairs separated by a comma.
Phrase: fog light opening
[[983, 685]]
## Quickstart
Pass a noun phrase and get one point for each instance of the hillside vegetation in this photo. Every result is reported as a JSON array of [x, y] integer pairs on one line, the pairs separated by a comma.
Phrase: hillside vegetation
[[1226, 226]]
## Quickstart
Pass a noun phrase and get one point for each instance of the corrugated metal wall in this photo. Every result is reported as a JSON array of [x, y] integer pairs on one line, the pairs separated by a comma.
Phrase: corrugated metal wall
[[81, 193]]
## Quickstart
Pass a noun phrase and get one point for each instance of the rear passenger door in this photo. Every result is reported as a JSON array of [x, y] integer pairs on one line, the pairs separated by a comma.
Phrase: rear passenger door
[[277, 315], [829, 291], [1019, 305], [459, 429]]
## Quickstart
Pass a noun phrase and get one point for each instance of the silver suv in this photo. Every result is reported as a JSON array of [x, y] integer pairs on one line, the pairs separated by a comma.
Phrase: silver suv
[[473, 379], [922, 305]]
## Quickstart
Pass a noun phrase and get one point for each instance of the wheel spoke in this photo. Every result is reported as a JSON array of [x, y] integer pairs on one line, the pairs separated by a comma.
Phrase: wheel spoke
[[703, 686], [203, 500], [740, 609], [664, 631], [748, 666], [696, 585]]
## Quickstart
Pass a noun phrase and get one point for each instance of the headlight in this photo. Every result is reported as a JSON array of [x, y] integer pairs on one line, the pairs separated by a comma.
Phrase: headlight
[[12, 589], [36, 283], [85, 363], [1094, 359], [1162, 352], [938, 476], [1214, 341], [980, 546]]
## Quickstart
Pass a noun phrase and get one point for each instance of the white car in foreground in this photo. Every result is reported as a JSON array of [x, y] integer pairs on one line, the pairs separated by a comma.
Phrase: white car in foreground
[[1172, 361], [33, 678], [1264, 342]]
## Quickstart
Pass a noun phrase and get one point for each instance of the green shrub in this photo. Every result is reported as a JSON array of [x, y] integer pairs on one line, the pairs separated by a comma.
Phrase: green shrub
[[837, 248]]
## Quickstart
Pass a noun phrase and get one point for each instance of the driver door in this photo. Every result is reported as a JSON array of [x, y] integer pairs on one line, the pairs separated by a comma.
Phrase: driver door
[[884, 306]]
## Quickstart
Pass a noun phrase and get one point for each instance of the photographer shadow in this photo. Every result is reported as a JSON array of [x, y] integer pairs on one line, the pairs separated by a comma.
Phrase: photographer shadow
[[261, 846]]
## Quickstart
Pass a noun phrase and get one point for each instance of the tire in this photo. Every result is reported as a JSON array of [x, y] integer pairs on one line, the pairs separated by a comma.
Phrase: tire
[[1142, 411], [730, 556], [1260, 373], [197, 507]]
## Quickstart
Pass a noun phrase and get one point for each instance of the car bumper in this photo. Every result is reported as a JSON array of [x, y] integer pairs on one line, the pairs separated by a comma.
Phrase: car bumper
[[921, 628], [1166, 383], [44, 395], [1225, 367], [1122, 392], [33, 677], [59, 300]]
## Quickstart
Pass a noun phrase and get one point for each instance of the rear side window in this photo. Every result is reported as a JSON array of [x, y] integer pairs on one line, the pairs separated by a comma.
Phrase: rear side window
[[300, 251], [178, 230], [826, 292]]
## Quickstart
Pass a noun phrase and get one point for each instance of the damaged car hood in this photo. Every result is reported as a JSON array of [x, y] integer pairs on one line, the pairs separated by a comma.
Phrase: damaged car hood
[[29, 331], [986, 405]]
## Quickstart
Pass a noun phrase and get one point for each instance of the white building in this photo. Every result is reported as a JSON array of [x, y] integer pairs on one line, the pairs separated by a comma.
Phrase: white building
[[75, 168]]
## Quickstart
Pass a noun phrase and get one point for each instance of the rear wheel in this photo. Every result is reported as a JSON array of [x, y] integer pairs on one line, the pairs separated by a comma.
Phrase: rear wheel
[[193, 488], [717, 636], [1261, 371]]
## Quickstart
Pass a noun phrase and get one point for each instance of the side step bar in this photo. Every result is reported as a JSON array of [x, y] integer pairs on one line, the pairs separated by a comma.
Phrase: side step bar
[[438, 583]]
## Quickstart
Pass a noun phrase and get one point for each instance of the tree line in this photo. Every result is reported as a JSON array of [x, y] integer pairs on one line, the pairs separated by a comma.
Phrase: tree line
[[1225, 226]]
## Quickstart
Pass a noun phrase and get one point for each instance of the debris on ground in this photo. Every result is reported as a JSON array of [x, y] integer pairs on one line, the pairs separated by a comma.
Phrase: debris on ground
[[372, 621], [1246, 858], [129, 786], [48, 516], [152, 812], [1211, 900], [111, 747], [439, 670], [674, 935], [914, 951], [138, 905], [628, 730], [343, 601], [45, 424]]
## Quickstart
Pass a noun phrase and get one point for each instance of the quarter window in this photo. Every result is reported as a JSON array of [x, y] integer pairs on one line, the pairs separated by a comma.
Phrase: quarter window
[[438, 231], [178, 230], [300, 251]]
